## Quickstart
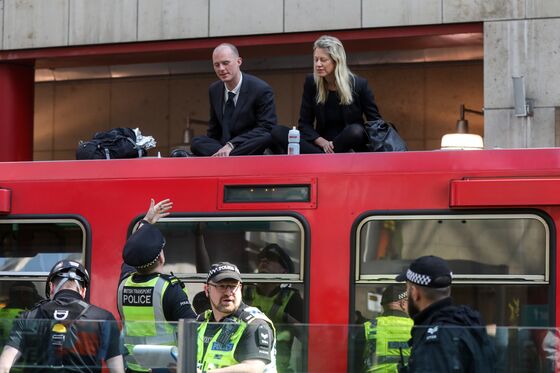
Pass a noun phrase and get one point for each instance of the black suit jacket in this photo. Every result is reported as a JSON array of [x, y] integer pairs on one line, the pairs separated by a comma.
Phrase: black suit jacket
[[311, 112], [254, 113]]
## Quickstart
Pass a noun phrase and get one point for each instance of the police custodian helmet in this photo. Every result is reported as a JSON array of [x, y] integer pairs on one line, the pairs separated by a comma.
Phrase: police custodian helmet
[[69, 269], [144, 247]]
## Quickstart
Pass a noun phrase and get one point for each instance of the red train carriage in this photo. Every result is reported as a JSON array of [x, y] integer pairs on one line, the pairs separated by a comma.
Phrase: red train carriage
[[349, 222]]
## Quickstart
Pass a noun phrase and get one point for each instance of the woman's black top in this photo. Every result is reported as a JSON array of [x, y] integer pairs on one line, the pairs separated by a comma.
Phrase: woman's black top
[[327, 120]]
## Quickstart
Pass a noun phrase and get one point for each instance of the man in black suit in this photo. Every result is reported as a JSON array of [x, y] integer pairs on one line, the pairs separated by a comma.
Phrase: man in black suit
[[242, 110]]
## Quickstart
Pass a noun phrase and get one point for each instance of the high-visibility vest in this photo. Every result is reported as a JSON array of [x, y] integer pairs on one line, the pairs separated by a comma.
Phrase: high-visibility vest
[[275, 308], [272, 306], [7, 317], [388, 336], [141, 307], [221, 354]]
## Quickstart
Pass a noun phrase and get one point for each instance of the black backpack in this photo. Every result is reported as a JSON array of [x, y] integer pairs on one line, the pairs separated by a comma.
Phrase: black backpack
[[51, 332], [113, 144]]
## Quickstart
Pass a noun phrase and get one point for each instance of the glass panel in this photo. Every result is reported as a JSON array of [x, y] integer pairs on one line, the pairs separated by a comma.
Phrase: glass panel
[[34, 247], [193, 244], [511, 305], [16, 297], [283, 303], [51, 344], [267, 193], [518, 350], [473, 245]]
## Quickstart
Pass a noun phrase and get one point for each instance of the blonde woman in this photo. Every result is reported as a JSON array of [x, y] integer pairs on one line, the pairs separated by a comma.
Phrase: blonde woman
[[333, 106]]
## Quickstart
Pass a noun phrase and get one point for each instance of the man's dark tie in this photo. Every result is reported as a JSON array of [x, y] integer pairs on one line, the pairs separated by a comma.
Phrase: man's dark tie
[[228, 114]]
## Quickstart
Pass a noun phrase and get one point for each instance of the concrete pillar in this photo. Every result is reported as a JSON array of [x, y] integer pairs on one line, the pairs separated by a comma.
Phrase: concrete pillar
[[528, 49], [17, 84]]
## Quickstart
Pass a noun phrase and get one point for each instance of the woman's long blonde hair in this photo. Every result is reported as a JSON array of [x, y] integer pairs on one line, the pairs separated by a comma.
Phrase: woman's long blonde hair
[[342, 74]]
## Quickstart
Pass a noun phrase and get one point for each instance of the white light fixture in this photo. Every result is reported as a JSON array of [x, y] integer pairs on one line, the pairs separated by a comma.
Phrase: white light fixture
[[462, 139]]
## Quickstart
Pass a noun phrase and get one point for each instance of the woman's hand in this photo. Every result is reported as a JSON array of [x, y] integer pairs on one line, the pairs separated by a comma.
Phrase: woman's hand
[[158, 210], [324, 144]]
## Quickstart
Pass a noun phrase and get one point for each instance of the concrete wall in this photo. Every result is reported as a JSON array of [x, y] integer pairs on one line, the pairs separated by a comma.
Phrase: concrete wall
[[1, 24], [422, 99], [521, 38], [172, 19], [527, 48], [34, 23]]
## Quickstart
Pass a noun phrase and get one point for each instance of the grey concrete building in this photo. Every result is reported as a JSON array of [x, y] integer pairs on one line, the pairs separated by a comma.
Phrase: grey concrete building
[[146, 63]]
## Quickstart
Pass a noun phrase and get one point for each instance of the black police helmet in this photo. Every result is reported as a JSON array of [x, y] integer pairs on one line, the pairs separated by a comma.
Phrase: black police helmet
[[69, 269], [275, 252]]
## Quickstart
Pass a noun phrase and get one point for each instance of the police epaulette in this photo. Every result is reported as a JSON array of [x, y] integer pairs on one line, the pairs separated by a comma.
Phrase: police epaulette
[[246, 316], [173, 280]]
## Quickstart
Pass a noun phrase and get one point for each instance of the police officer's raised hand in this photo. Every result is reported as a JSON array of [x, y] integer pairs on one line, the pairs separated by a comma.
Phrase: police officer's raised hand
[[158, 210]]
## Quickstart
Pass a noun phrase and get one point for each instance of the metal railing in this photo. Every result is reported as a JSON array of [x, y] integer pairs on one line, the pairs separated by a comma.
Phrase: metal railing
[[300, 347]]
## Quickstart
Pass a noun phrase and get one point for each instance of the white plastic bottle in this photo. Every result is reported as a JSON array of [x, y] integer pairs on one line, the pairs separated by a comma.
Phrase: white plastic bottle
[[293, 141]]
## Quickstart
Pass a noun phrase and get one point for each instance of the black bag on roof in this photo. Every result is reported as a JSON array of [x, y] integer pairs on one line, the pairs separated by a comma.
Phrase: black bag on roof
[[113, 144], [384, 137]]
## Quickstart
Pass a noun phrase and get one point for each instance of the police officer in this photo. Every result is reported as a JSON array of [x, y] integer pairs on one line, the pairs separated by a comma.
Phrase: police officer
[[148, 300], [282, 304], [445, 337], [65, 333], [233, 336], [22, 297], [387, 335]]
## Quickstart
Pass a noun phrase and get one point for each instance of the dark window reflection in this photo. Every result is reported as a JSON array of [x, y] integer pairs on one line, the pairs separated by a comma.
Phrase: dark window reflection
[[15, 298], [36, 247], [490, 246], [191, 246]]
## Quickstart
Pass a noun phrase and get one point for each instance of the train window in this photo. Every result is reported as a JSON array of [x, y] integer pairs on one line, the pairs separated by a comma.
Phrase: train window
[[31, 247], [269, 254], [500, 268], [28, 250], [512, 248], [516, 315], [494, 256], [192, 244]]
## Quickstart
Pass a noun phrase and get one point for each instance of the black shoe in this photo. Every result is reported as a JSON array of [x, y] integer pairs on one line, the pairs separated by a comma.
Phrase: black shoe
[[180, 153]]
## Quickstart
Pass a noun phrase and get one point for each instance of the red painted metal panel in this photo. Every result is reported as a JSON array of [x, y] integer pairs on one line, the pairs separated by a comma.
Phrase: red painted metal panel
[[5, 201], [17, 84], [505, 192]]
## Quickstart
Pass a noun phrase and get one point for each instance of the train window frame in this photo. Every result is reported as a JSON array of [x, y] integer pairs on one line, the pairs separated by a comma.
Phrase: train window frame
[[294, 278], [457, 278], [42, 276]]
